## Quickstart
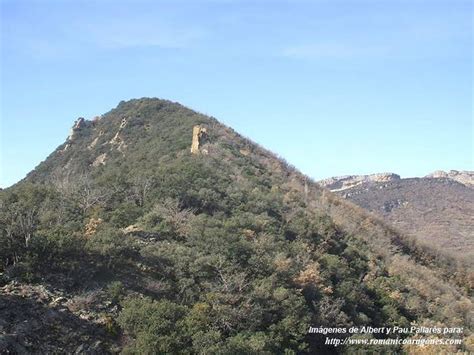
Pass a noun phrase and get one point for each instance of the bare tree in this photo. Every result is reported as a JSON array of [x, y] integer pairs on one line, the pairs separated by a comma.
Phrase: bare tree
[[178, 217], [140, 187], [81, 189], [18, 224]]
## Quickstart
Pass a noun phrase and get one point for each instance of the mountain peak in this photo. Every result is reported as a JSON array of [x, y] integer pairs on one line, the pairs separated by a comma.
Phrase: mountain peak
[[136, 131]]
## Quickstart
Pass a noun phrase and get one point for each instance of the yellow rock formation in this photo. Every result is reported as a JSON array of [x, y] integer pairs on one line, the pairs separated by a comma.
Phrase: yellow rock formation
[[199, 135]]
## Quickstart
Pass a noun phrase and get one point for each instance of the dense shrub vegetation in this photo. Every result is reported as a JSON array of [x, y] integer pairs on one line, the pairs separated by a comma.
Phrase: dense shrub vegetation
[[220, 253]]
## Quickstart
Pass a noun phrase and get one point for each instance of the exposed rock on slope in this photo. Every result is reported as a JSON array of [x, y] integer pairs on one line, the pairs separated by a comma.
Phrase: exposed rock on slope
[[34, 319], [199, 138]]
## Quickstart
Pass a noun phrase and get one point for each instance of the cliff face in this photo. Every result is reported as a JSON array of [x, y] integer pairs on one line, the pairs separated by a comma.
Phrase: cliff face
[[464, 177], [340, 183]]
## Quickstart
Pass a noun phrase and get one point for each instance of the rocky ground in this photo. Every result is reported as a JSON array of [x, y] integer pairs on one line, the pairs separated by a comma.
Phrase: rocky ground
[[35, 319]]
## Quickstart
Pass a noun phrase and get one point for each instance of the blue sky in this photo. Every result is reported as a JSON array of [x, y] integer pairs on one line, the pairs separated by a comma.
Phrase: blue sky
[[335, 87]]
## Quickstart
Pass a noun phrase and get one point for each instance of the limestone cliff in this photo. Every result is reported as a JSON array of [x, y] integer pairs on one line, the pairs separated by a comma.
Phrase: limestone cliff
[[464, 177], [340, 183]]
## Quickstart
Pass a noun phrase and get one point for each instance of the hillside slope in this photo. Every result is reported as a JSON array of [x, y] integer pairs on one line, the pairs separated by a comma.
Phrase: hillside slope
[[224, 250]]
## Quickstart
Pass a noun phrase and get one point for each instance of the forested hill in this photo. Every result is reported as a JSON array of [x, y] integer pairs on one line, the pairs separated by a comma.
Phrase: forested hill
[[142, 246]]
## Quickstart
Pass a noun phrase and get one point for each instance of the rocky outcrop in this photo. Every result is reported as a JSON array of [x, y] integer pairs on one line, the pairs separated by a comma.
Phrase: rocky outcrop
[[117, 140], [91, 226], [96, 140], [199, 138], [131, 229], [464, 177], [100, 160], [78, 126], [244, 152], [144, 237], [340, 183]]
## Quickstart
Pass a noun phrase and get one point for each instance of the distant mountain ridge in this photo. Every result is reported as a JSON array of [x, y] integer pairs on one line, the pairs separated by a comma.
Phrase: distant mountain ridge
[[339, 183], [437, 209], [465, 177]]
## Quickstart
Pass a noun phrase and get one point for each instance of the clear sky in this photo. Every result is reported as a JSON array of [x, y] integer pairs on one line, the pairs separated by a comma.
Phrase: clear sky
[[335, 87]]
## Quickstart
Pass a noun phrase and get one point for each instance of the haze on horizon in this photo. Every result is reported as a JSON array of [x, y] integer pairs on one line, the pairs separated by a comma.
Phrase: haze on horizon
[[334, 87]]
